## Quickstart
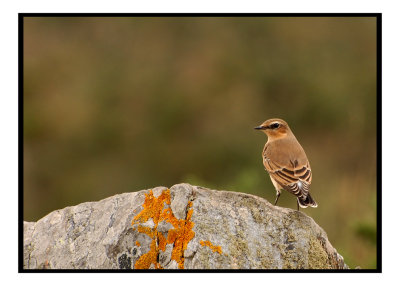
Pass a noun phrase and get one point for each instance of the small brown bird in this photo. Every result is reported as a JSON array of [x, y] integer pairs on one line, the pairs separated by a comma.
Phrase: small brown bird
[[286, 162]]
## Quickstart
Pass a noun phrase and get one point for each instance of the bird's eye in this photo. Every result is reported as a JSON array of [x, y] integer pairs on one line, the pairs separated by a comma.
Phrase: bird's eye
[[275, 125]]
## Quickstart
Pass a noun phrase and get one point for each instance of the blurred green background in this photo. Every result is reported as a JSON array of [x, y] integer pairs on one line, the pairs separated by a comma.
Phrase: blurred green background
[[115, 105]]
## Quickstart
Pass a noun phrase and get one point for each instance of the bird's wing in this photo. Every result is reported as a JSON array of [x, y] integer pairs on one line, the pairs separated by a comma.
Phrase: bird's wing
[[293, 175]]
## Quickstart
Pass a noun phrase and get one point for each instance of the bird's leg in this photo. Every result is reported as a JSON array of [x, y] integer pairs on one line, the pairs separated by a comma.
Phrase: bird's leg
[[297, 205], [277, 197]]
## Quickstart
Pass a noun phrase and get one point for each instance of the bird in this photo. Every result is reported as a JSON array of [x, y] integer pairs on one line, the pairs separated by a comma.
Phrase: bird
[[286, 162]]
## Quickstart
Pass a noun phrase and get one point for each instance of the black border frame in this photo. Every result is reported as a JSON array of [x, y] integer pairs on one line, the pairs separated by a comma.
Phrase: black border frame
[[21, 17]]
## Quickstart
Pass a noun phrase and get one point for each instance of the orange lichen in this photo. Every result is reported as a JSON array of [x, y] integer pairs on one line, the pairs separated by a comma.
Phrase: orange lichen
[[162, 242], [179, 235], [146, 260], [214, 248], [152, 207], [137, 243]]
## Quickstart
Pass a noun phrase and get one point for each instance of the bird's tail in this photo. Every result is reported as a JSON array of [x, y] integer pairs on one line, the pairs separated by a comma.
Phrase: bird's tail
[[307, 202]]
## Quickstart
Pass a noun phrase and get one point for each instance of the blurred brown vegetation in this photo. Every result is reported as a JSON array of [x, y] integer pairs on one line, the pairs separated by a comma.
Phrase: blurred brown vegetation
[[116, 105]]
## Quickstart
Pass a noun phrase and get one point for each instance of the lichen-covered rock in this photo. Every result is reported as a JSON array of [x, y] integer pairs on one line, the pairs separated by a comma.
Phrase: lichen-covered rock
[[185, 227]]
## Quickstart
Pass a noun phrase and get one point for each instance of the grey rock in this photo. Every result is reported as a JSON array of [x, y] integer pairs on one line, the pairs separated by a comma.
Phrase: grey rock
[[186, 227]]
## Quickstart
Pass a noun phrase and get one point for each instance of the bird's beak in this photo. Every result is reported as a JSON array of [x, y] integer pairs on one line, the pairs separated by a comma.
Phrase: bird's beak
[[260, 127]]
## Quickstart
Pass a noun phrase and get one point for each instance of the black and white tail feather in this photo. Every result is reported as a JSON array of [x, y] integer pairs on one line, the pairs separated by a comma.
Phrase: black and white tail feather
[[300, 190], [307, 202]]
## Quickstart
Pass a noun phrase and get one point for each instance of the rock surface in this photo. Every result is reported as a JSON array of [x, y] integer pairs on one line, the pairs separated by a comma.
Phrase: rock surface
[[184, 227]]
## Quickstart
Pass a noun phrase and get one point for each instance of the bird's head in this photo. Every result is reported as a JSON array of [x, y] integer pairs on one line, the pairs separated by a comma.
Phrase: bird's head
[[274, 128]]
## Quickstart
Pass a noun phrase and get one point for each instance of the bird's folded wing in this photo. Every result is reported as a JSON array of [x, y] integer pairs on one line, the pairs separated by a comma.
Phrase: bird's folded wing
[[291, 177]]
